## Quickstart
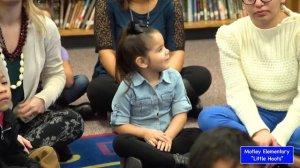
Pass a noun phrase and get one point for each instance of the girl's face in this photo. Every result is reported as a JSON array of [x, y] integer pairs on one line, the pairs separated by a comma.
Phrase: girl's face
[[158, 54], [5, 94], [265, 14]]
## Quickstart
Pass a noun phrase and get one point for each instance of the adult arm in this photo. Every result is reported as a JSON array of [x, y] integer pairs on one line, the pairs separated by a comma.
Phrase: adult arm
[[67, 67], [175, 38], [69, 73], [104, 28], [237, 89], [108, 59], [53, 76], [284, 130], [176, 59]]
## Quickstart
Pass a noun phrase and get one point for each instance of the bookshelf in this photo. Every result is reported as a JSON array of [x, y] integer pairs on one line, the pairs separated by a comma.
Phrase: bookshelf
[[292, 4], [206, 24], [75, 32]]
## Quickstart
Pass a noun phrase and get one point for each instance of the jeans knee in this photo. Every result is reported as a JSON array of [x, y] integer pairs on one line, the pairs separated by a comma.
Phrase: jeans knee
[[204, 118], [81, 81]]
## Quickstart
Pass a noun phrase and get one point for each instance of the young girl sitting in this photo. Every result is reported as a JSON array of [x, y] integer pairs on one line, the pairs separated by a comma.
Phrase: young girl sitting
[[150, 106]]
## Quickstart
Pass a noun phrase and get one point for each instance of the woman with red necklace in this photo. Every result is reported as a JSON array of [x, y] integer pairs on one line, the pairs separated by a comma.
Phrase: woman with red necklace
[[30, 51]]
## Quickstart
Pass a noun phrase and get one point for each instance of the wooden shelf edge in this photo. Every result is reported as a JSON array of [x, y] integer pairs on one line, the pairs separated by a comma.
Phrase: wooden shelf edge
[[206, 24], [187, 25], [75, 32]]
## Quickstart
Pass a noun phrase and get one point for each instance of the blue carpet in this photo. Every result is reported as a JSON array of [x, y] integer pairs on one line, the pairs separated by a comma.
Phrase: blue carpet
[[95, 152]]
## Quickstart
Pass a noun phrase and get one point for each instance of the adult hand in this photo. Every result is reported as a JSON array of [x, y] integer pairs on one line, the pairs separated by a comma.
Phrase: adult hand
[[264, 138], [152, 137], [27, 145], [31, 107]]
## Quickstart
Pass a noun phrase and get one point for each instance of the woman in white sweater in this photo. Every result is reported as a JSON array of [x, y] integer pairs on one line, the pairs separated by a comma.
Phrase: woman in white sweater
[[260, 61]]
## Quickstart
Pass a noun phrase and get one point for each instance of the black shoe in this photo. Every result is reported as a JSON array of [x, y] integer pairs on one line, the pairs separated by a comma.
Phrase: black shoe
[[132, 162], [63, 154], [181, 161], [84, 109]]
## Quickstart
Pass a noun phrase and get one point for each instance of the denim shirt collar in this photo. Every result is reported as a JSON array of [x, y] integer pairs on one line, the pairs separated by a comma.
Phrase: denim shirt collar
[[138, 79]]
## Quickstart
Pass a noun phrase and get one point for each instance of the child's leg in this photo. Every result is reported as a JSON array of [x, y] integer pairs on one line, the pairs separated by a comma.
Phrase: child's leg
[[217, 116], [184, 141], [128, 145]]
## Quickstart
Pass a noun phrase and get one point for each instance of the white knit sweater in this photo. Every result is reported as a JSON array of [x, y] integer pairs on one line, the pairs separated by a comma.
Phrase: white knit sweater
[[261, 68]]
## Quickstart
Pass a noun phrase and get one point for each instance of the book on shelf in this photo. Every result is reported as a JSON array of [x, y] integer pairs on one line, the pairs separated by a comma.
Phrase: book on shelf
[[90, 22], [88, 14], [203, 10]]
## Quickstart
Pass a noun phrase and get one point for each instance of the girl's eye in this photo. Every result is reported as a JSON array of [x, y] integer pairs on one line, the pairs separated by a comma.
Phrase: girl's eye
[[4, 83], [160, 49]]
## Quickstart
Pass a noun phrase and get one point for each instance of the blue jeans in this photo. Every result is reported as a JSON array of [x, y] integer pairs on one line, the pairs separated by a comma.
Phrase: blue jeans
[[217, 116], [71, 94]]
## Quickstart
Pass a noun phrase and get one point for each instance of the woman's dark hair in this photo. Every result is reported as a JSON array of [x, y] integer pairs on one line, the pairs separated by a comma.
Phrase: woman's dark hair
[[218, 144], [133, 42]]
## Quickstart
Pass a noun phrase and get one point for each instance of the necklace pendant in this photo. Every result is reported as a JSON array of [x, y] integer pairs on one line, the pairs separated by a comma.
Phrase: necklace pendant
[[21, 69]]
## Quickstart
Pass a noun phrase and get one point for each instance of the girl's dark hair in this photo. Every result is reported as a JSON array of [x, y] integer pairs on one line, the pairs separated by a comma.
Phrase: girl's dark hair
[[133, 42], [222, 143]]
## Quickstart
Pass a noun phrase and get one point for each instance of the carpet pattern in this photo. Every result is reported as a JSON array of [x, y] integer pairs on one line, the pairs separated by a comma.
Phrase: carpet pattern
[[94, 151]]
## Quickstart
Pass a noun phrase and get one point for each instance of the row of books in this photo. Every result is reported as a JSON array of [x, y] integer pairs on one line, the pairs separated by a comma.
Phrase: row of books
[[202, 10], [70, 14], [79, 14]]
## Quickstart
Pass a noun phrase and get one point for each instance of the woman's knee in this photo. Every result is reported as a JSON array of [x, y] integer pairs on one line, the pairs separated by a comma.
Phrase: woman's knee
[[209, 116], [81, 80], [199, 78], [77, 122], [101, 86], [205, 117]]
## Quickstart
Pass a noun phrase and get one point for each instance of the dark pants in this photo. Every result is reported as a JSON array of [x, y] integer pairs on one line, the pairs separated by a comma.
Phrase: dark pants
[[128, 145], [102, 88]]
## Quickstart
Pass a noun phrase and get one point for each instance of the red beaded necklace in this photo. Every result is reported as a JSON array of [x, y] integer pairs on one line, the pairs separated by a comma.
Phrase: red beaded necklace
[[22, 38]]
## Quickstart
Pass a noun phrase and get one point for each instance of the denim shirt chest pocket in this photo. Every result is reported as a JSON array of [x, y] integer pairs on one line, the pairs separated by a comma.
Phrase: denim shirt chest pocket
[[141, 107], [167, 99]]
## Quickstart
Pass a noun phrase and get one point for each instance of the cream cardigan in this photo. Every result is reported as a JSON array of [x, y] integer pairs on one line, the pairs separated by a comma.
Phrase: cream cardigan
[[43, 61]]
